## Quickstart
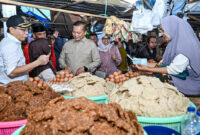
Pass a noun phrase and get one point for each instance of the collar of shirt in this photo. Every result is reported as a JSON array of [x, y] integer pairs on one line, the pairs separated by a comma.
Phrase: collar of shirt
[[13, 38], [82, 40]]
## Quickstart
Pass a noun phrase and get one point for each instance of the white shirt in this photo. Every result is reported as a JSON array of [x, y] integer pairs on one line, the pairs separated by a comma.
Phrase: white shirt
[[178, 65], [11, 56]]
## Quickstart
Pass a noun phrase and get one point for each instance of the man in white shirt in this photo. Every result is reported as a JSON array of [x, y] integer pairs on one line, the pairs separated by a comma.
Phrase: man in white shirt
[[12, 61]]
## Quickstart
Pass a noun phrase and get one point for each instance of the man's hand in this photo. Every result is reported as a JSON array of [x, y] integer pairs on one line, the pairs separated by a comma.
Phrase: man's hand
[[68, 68], [43, 59], [80, 70]]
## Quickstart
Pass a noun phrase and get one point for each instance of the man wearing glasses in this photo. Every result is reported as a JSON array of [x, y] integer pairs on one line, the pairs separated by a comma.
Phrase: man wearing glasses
[[79, 54], [12, 60]]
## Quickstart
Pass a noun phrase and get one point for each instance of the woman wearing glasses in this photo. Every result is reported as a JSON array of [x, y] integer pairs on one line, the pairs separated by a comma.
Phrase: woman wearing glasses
[[110, 56], [181, 57]]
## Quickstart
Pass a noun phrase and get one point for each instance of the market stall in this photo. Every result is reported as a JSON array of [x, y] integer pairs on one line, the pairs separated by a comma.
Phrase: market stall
[[120, 104]]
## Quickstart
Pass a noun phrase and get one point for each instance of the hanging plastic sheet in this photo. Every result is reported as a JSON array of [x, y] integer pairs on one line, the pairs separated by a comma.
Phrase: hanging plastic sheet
[[144, 20]]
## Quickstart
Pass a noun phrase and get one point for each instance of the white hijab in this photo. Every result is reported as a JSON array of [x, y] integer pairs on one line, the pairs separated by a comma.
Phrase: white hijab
[[101, 46]]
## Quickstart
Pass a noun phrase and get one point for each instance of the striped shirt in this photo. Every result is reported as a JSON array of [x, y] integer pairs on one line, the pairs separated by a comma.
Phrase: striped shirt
[[11, 56]]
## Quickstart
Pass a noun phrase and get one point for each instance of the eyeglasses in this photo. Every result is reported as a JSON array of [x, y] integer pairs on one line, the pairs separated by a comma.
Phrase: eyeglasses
[[22, 29]]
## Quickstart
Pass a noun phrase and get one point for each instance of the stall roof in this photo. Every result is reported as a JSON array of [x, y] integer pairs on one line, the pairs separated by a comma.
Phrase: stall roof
[[118, 8]]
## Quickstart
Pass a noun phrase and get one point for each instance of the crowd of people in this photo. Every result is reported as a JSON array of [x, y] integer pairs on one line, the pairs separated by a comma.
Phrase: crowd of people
[[46, 54]]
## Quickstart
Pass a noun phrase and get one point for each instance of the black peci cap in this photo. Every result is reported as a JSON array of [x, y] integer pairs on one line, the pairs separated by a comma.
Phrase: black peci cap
[[17, 21], [38, 27]]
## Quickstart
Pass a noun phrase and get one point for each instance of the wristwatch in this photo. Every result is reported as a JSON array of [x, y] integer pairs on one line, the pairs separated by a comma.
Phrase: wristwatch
[[85, 68]]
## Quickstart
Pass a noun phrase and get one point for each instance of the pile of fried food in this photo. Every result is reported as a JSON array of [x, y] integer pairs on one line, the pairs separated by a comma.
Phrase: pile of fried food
[[18, 99], [88, 85], [148, 96], [81, 117]]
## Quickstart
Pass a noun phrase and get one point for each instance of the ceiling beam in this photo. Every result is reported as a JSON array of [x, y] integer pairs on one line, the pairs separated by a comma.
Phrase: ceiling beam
[[43, 14], [48, 8]]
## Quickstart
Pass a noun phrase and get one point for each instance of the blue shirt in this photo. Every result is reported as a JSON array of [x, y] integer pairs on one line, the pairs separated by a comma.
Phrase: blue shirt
[[11, 56]]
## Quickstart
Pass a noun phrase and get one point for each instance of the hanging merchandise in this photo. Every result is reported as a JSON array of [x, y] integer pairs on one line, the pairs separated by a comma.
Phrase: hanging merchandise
[[120, 29], [144, 20]]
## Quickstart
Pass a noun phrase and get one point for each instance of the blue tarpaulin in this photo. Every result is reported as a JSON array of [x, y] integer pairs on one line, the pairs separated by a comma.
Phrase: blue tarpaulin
[[40, 19]]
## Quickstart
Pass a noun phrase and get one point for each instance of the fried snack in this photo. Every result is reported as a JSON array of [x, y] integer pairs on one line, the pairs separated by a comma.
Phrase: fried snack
[[81, 116], [18, 99], [148, 96]]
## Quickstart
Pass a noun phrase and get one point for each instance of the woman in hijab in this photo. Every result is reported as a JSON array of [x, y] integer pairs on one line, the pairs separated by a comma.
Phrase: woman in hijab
[[110, 56], [182, 54]]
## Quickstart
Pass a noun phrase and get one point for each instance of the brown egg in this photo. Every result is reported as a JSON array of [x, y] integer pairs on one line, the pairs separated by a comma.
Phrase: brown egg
[[57, 76], [119, 73], [35, 82], [111, 76], [44, 85], [129, 72], [39, 85], [115, 73], [36, 78], [30, 79], [57, 79], [71, 75], [112, 80], [107, 79], [41, 81], [66, 79], [127, 75], [62, 72], [116, 77], [61, 80], [67, 75], [117, 80], [62, 76]]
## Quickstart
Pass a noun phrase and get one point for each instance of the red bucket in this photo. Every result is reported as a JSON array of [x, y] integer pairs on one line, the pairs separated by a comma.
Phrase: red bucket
[[7, 128]]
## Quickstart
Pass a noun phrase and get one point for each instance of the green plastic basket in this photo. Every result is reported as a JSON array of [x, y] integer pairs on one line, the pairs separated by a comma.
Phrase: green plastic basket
[[99, 99], [170, 122], [18, 131]]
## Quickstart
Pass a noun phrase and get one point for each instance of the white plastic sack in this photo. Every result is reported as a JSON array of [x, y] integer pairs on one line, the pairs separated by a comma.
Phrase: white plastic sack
[[144, 20]]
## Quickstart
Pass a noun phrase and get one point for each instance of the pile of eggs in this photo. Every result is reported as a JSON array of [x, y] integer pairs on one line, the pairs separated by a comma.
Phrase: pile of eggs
[[119, 78], [61, 77], [40, 83]]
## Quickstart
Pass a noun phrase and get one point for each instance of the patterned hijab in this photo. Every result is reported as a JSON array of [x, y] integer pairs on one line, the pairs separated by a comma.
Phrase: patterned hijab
[[183, 41], [101, 46]]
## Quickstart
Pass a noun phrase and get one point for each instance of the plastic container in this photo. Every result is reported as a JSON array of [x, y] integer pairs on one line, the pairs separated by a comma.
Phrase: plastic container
[[7, 128], [159, 130], [18, 131], [99, 99], [170, 122]]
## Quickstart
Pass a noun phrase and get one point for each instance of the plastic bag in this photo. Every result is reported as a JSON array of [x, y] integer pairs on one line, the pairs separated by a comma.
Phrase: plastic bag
[[144, 20]]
